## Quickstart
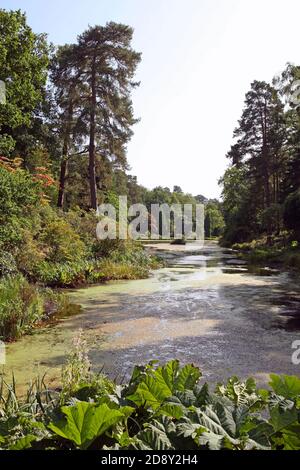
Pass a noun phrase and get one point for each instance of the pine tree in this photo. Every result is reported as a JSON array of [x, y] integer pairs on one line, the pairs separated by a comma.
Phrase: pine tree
[[106, 65]]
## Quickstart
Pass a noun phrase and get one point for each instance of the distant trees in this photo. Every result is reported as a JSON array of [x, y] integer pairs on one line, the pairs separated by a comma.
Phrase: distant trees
[[265, 165], [213, 221], [177, 189]]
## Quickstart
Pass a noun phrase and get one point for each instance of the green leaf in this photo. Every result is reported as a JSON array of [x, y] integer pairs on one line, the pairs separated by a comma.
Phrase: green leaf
[[210, 439], [259, 436], [210, 427], [166, 375], [23, 443], [84, 422], [150, 393], [291, 437], [160, 384], [156, 436], [174, 410], [187, 378], [281, 419], [187, 428], [240, 393], [287, 386]]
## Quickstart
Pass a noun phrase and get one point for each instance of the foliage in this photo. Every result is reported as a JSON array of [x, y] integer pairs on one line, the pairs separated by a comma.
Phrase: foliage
[[161, 408], [7, 264], [23, 68], [77, 368], [23, 305], [260, 186], [63, 242], [214, 221], [292, 213], [279, 251], [19, 196], [85, 422], [88, 272]]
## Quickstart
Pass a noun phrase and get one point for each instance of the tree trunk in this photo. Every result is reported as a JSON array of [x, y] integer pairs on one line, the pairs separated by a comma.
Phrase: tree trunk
[[64, 163], [62, 181], [92, 156]]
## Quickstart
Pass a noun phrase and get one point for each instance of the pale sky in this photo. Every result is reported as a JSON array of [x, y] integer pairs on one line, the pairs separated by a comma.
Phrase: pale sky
[[199, 58]]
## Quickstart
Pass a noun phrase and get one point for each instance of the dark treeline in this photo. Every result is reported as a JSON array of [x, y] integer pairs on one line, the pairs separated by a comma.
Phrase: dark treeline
[[261, 188]]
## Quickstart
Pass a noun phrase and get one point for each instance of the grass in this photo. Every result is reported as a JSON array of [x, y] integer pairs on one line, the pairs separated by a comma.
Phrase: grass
[[132, 263], [24, 305], [21, 306], [280, 253]]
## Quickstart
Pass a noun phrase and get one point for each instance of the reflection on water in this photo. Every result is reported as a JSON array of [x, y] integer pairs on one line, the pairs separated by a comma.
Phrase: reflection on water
[[206, 307]]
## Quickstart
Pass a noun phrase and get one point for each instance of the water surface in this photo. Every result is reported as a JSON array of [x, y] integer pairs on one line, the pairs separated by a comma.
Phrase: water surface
[[205, 307]]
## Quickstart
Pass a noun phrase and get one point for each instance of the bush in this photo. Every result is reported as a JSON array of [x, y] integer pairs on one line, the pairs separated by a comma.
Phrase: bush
[[19, 197], [108, 270], [21, 306], [84, 224], [104, 248], [161, 408], [63, 244], [62, 274], [131, 263], [7, 264], [30, 253]]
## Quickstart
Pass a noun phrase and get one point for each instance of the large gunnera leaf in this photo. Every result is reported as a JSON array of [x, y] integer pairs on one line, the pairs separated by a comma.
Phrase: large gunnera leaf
[[84, 422], [162, 383]]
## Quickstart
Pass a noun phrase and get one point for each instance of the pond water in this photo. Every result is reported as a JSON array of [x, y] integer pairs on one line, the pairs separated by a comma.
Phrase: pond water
[[206, 307]]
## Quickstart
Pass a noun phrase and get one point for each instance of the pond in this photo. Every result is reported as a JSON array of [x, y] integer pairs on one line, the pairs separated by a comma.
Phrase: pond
[[206, 307]]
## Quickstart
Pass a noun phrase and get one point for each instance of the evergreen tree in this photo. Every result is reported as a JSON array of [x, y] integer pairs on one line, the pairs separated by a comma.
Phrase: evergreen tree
[[106, 64]]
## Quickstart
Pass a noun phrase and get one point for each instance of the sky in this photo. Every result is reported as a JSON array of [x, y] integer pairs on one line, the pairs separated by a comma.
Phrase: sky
[[199, 58]]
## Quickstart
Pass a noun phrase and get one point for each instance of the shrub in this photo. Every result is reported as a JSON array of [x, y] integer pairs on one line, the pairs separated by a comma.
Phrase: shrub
[[30, 253], [84, 224], [21, 306], [104, 248], [63, 244], [133, 263], [62, 274], [161, 408], [7, 264], [107, 270], [19, 197]]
